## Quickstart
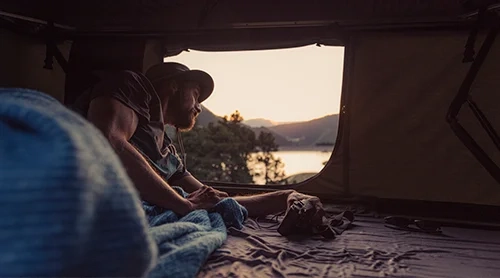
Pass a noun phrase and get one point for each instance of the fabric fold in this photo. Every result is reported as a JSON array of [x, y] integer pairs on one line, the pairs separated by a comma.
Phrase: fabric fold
[[185, 243]]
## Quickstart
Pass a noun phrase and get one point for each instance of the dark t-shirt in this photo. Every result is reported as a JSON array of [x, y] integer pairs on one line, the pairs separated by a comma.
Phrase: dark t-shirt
[[136, 92]]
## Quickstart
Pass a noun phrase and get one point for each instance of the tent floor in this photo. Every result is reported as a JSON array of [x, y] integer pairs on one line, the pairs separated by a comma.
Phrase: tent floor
[[368, 249]]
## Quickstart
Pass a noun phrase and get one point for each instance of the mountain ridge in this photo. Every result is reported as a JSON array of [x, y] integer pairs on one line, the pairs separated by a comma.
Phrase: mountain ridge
[[263, 122], [259, 122], [315, 132]]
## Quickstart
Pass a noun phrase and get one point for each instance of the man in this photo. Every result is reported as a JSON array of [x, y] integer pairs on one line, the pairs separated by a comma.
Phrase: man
[[132, 109]]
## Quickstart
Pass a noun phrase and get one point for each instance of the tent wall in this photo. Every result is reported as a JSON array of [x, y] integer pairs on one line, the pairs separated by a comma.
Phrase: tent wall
[[394, 141], [23, 61], [399, 143], [94, 54], [189, 15]]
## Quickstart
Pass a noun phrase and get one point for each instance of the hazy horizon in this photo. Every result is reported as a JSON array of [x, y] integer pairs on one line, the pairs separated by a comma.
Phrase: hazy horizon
[[307, 81], [274, 122]]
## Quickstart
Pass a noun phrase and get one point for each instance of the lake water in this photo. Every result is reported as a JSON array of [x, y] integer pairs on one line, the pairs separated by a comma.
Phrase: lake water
[[302, 161]]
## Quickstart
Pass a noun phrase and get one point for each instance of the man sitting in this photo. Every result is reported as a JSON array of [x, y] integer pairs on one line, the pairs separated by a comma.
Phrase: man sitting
[[132, 110]]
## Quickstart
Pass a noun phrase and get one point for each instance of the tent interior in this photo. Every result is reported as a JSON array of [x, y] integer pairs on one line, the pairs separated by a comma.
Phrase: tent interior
[[416, 134]]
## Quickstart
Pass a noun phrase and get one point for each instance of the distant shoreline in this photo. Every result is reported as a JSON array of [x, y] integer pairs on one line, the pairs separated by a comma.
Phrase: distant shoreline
[[306, 148]]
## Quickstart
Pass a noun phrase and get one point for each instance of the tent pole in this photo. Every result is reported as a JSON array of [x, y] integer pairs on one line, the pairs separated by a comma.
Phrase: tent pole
[[463, 96]]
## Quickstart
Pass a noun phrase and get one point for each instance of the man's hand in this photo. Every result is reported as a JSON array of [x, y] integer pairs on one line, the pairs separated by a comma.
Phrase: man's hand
[[315, 201], [220, 194], [191, 184], [205, 198]]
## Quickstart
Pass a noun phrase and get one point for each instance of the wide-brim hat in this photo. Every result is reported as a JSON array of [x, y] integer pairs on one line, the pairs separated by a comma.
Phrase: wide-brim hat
[[178, 71]]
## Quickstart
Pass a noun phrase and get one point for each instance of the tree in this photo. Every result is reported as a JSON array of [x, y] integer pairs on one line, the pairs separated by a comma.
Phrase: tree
[[227, 151], [240, 146], [235, 118], [272, 168]]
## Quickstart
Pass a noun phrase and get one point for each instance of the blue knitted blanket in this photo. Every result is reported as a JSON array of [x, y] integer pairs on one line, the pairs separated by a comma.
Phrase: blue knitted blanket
[[185, 243], [68, 208]]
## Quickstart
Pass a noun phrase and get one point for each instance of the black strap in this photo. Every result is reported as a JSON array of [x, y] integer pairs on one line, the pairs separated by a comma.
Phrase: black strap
[[476, 150], [51, 51], [484, 122], [469, 51], [463, 91]]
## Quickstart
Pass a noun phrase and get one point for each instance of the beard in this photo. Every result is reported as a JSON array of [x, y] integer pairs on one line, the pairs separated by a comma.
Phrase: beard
[[184, 119], [181, 116]]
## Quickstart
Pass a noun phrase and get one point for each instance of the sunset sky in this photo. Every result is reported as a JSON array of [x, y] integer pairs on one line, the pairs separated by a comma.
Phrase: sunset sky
[[283, 85]]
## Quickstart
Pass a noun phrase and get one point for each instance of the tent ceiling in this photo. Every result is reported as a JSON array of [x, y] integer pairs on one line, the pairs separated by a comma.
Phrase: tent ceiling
[[189, 15]]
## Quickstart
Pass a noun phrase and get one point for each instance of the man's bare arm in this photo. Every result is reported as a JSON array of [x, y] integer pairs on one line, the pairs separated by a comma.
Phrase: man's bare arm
[[188, 183], [118, 123], [257, 205]]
